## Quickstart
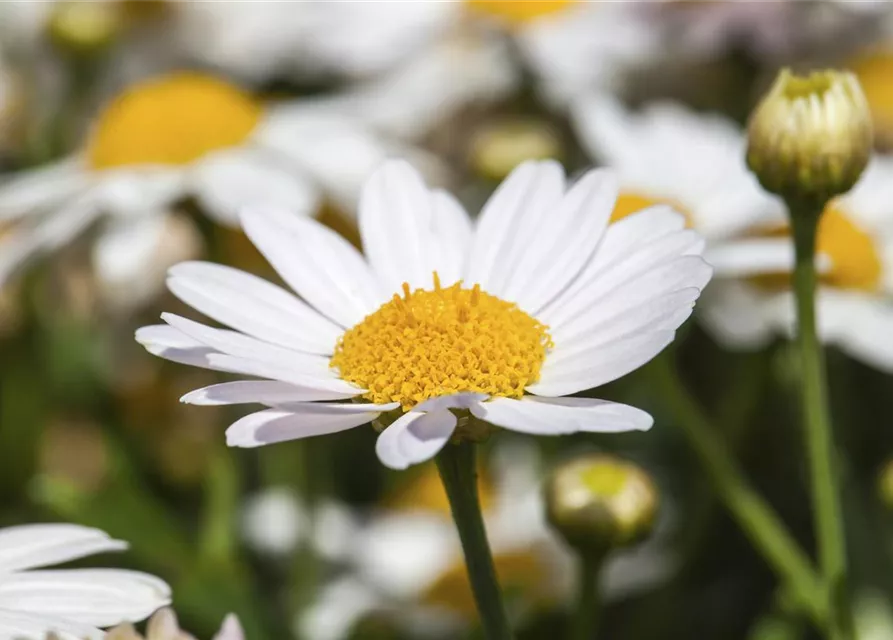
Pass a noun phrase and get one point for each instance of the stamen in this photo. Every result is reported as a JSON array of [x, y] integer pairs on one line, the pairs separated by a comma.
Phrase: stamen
[[449, 340]]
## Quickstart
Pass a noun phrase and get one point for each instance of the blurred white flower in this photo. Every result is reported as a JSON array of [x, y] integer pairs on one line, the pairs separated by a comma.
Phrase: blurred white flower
[[406, 560], [427, 89], [587, 45], [71, 603], [666, 153], [752, 300], [163, 625], [177, 136], [259, 40], [274, 521], [540, 255], [776, 31]]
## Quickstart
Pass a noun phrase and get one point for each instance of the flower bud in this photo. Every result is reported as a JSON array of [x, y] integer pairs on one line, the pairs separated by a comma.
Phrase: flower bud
[[83, 27], [499, 148], [598, 502], [810, 137]]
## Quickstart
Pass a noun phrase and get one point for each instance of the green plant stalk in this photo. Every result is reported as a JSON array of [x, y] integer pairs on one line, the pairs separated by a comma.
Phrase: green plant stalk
[[756, 518], [819, 434], [456, 464], [585, 624]]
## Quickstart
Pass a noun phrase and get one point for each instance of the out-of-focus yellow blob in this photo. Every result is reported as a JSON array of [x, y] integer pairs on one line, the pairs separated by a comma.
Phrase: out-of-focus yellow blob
[[519, 12], [172, 120]]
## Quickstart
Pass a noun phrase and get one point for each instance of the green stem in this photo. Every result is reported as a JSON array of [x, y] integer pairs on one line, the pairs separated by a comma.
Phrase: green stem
[[585, 623], [819, 435], [456, 463], [756, 518]]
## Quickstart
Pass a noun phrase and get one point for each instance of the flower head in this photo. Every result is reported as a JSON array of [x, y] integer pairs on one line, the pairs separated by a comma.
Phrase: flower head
[[71, 603], [752, 300], [810, 137], [176, 136], [444, 322]]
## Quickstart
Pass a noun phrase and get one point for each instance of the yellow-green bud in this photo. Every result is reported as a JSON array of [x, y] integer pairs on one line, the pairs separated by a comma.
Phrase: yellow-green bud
[[810, 137], [500, 147], [84, 27], [598, 502]]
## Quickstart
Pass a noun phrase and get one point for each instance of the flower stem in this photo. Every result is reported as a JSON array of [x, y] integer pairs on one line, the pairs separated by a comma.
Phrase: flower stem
[[585, 624], [456, 463], [756, 518], [819, 434]]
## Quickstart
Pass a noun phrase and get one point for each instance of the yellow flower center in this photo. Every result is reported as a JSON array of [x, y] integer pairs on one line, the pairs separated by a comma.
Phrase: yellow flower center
[[522, 575], [434, 343], [172, 120], [629, 202], [855, 260], [875, 74], [519, 12]]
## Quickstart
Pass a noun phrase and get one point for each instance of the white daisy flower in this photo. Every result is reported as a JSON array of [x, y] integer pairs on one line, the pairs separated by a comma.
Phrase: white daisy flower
[[406, 560], [540, 299], [666, 153], [176, 136], [71, 603], [752, 300]]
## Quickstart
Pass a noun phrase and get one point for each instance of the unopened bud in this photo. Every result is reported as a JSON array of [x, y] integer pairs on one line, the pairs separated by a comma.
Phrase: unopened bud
[[502, 146], [599, 502], [810, 137], [84, 27]]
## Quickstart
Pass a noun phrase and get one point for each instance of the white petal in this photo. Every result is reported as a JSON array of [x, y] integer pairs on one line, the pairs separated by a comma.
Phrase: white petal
[[244, 366], [687, 272], [462, 400], [276, 425], [414, 437], [227, 182], [140, 191], [39, 545], [27, 241], [231, 629], [125, 250], [268, 392], [41, 188], [316, 262], [244, 310], [242, 346], [18, 625], [171, 344], [662, 265], [557, 416], [336, 608], [563, 242], [513, 215], [304, 328], [452, 227], [101, 597], [757, 256], [626, 313], [620, 240], [401, 231], [599, 365]]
